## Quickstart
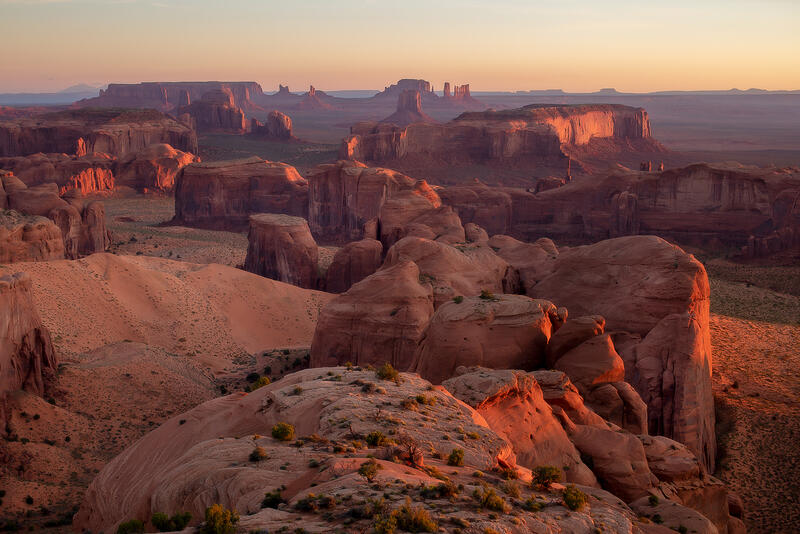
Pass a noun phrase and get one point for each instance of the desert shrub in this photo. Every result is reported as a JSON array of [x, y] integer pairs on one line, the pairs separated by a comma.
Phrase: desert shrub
[[220, 520], [439, 491], [272, 499], [260, 383], [414, 518], [387, 372], [385, 523], [657, 519], [307, 503], [164, 523], [252, 377], [134, 526], [369, 469], [376, 438], [456, 458], [486, 294], [283, 431], [653, 500], [544, 475], [409, 404], [511, 489], [573, 498], [259, 454], [422, 399], [532, 505], [458, 299], [487, 498]]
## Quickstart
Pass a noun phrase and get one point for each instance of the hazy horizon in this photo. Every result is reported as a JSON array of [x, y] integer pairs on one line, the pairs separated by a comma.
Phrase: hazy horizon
[[574, 45]]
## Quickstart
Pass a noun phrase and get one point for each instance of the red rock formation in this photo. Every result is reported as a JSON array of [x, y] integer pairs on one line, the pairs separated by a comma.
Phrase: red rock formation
[[29, 238], [223, 194], [461, 97], [409, 110], [84, 131], [278, 127], [314, 99], [216, 112], [27, 357], [153, 169], [91, 173], [380, 319], [352, 263], [345, 195], [536, 136], [281, 247], [504, 332], [393, 91], [478, 203]]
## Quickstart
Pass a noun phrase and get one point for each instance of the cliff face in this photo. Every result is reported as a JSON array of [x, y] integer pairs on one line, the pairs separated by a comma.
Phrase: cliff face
[[278, 126], [534, 135], [281, 247], [344, 196], [409, 110], [29, 238], [79, 132], [91, 173], [216, 111], [224, 194]]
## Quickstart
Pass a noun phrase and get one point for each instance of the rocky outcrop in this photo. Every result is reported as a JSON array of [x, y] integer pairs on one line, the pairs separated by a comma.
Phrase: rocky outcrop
[[502, 332], [153, 169], [278, 126], [281, 247], [223, 194], [466, 270], [380, 319], [352, 263], [409, 110], [216, 112], [346, 195], [314, 100], [168, 96], [27, 357], [659, 296], [392, 92], [84, 131], [410, 214], [28, 238], [91, 173], [488, 207], [536, 136]]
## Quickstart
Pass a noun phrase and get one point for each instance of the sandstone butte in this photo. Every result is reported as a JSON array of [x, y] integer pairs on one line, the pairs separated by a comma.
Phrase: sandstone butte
[[409, 110], [215, 112], [82, 131], [540, 136], [278, 126]]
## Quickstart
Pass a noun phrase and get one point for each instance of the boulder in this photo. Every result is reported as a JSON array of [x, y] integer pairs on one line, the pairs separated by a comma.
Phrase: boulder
[[592, 363], [501, 332], [618, 403], [465, 270], [223, 194], [380, 319], [352, 263], [281, 247], [409, 214]]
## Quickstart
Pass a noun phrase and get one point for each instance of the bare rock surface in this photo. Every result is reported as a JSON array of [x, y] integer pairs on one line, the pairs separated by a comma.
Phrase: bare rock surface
[[281, 247]]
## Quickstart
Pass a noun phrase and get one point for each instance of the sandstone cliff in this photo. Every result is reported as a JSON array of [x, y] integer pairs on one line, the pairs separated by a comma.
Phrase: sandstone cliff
[[281, 247], [153, 169], [409, 110], [216, 112], [28, 238], [224, 194], [91, 173], [278, 126]]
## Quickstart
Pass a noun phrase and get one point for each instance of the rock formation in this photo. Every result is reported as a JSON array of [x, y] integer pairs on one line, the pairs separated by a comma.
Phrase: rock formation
[[380, 319], [314, 100], [346, 195], [153, 169], [27, 357], [223, 194], [392, 92], [90, 173], [352, 263], [409, 110], [540, 137], [216, 112], [488, 207], [409, 213], [281, 247], [278, 126], [84, 131], [28, 238], [502, 332]]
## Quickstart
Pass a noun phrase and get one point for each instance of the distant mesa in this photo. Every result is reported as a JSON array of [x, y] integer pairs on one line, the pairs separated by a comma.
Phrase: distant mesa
[[409, 110], [393, 91], [215, 112], [314, 99], [278, 126]]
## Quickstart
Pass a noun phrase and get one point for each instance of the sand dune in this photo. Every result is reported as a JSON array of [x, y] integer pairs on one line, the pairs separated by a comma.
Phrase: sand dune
[[214, 313]]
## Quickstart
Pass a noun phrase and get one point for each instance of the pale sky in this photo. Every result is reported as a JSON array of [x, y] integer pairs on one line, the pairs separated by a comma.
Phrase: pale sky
[[576, 45]]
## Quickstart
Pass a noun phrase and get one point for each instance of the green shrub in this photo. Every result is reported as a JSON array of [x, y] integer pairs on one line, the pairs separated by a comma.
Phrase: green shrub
[[260, 383], [369, 469], [456, 458], [219, 520], [458, 299], [164, 523], [272, 499], [653, 500], [543, 476], [134, 526], [487, 498], [573, 498], [385, 523], [511, 489], [283, 431], [532, 505], [486, 294], [259, 454], [387, 372]]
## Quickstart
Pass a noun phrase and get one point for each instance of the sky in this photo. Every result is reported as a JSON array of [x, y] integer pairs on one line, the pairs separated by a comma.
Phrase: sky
[[576, 45]]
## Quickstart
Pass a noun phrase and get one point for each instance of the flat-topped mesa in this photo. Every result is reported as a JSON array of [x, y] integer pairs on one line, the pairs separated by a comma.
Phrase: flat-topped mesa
[[346, 196], [216, 111], [278, 126], [409, 110], [537, 136], [168, 96], [281, 247], [424, 87], [91, 173], [116, 132], [223, 194], [27, 356]]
